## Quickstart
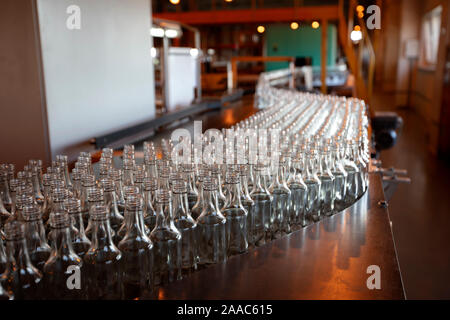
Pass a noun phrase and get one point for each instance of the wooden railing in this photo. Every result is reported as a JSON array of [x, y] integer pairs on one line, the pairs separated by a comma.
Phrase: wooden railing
[[361, 56]]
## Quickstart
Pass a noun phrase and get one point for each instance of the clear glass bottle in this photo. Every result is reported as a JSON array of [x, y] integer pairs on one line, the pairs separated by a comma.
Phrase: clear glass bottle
[[150, 187], [198, 206], [166, 241], [192, 192], [236, 215], [13, 185], [298, 194], [247, 202], [279, 214], [37, 186], [211, 224], [137, 253], [95, 196], [38, 248], [21, 278], [260, 228], [62, 258], [4, 190], [58, 197], [111, 200], [116, 175], [186, 225], [352, 174], [216, 174], [2, 254], [87, 181], [326, 183], [103, 261], [76, 184], [128, 172], [312, 181], [340, 175], [80, 241]]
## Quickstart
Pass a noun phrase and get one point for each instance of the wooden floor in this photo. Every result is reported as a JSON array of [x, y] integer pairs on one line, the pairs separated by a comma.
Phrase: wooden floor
[[420, 212]]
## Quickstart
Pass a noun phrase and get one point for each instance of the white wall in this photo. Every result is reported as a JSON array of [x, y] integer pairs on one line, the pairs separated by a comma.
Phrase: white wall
[[182, 75], [100, 78]]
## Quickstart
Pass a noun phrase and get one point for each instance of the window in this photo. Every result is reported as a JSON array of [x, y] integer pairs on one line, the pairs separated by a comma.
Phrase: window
[[431, 27]]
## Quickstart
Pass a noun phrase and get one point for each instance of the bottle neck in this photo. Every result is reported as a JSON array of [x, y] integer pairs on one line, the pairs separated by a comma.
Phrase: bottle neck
[[17, 254], [164, 215], [180, 205], [234, 198], [112, 203], [61, 242], [134, 223], [101, 234], [35, 234], [210, 202]]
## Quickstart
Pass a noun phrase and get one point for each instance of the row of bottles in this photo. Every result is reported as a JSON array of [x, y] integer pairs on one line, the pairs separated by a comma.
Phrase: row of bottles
[[129, 230]]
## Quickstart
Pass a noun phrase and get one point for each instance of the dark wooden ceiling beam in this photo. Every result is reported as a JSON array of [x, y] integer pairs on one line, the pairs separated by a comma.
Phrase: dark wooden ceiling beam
[[253, 15]]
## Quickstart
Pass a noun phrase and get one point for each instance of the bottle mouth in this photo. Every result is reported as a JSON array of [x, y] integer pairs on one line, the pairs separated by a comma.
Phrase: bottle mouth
[[31, 213], [59, 220], [72, 205], [99, 212]]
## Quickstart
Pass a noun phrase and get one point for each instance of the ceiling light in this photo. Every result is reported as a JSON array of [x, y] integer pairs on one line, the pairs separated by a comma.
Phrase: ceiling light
[[261, 29], [315, 24], [157, 32], [294, 25], [356, 36], [171, 33], [174, 1]]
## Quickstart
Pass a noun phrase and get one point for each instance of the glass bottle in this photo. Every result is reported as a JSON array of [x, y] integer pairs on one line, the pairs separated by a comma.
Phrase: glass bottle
[[38, 248], [279, 214], [116, 175], [110, 196], [95, 196], [166, 241], [4, 214], [186, 225], [87, 181], [247, 201], [80, 241], [260, 228], [150, 187], [362, 168], [212, 245], [37, 186], [13, 185], [76, 184], [21, 278], [47, 205], [215, 173], [326, 183], [352, 174], [298, 194], [137, 253], [198, 206], [340, 175], [2, 255], [58, 197], [192, 192], [4, 190], [312, 181], [103, 261], [236, 215], [62, 261], [128, 172]]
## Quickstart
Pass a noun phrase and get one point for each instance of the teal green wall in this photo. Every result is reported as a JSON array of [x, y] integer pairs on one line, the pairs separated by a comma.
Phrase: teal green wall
[[303, 42]]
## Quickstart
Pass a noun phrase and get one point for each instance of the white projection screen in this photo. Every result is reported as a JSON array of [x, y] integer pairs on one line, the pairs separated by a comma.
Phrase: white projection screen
[[98, 78]]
